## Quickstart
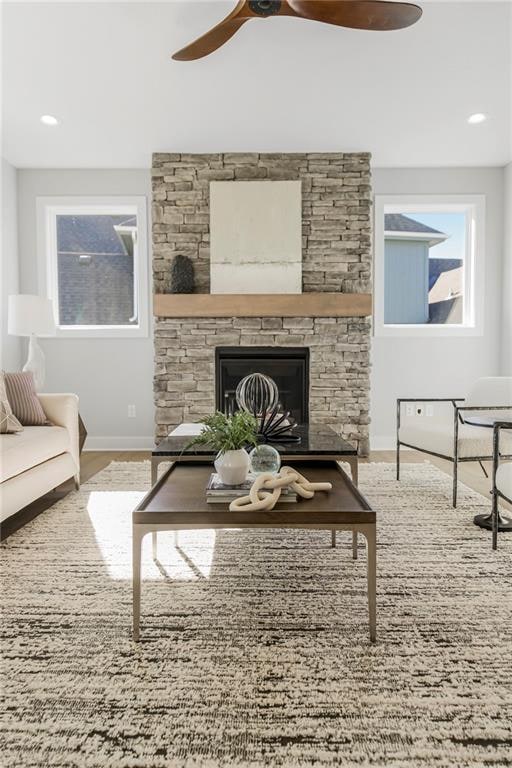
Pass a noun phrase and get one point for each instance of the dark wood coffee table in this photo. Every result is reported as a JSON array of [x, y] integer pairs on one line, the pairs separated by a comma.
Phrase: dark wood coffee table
[[177, 502]]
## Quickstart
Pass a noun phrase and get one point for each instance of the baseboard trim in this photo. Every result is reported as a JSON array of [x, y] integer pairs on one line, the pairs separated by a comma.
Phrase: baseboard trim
[[131, 443]]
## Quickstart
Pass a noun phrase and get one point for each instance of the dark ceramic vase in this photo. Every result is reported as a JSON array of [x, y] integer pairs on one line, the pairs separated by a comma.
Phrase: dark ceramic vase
[[182, 275]]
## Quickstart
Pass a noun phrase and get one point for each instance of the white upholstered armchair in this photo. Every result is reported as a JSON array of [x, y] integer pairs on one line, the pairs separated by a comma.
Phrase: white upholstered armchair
[[461, 429]]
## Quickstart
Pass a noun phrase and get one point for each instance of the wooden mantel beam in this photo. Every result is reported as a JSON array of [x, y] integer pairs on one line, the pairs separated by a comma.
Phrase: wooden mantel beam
[[262, 305]]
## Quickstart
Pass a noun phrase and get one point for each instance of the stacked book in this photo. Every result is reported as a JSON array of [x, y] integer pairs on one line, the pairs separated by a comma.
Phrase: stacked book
[[219, 493]]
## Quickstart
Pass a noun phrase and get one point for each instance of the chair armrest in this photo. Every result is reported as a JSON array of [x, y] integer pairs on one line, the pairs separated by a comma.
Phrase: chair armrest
[[471, 408], [502, 425], [429, 399], [484, 407], [62, 410]]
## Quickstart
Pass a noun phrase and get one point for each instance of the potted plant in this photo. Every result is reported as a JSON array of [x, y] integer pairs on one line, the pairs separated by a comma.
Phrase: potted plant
[[229, 436]]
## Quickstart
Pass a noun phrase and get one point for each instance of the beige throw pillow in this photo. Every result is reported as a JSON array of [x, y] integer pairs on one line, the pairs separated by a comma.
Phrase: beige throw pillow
[[8, 421], [23, 399]]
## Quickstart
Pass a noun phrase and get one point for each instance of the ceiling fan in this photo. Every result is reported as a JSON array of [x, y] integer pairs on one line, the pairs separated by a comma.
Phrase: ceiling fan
[[358, 14]]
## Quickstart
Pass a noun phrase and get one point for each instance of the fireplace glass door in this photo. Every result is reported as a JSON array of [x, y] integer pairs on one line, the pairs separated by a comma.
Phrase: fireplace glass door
[[287, 366]]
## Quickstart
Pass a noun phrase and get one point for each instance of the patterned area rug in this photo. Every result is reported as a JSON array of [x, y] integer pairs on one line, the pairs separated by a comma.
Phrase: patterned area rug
[[254, 644]]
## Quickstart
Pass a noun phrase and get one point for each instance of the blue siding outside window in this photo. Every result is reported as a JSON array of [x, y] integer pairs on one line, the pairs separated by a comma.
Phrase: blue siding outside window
[[406, 282]]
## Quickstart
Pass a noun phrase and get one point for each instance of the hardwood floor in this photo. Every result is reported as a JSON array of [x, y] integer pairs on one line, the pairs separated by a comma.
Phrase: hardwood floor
[[92, 462]]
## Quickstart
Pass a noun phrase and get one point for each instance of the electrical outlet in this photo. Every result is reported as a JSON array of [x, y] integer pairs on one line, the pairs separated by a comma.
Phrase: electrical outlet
[[430, 410], [132, 412], [409, 409], [419, 409]]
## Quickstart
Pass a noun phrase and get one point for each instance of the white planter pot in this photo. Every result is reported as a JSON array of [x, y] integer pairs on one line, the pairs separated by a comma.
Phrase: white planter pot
[[232, 467]]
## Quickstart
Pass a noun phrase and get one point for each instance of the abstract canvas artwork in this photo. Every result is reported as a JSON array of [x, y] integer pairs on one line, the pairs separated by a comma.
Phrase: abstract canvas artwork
[[256, 238]]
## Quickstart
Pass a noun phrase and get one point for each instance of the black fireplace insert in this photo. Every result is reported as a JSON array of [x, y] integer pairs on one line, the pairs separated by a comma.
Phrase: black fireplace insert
[[287, 366]]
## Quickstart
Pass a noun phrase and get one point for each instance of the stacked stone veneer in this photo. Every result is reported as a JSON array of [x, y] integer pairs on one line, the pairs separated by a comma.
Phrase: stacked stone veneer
[[336, 229]]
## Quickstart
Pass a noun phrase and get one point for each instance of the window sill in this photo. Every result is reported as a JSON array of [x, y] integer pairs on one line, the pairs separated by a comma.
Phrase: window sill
[[102, 332], [427, 331]]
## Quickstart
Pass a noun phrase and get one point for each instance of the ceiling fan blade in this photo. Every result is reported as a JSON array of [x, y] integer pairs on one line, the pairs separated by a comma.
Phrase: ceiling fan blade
[[359, 14], [216, 36]]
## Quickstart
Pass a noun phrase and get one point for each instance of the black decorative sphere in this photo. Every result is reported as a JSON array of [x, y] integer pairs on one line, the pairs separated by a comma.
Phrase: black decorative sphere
[[265, 7], [182, 275]]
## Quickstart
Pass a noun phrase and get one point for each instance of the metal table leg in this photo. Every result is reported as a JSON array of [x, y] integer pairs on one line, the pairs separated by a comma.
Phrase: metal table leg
[[155, 461], [354, 468], [137, 536], [370, 534]]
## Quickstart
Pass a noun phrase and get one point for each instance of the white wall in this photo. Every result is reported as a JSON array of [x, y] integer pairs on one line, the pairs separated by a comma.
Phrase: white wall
[[107, 374], [506, 337], [439, 367], [11, 345]]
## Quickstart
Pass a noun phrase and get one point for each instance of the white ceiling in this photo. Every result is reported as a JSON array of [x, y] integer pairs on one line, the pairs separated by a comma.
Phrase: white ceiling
[[279, 85]]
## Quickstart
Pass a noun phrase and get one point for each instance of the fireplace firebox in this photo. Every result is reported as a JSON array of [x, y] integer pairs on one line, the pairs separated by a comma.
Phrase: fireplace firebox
[[287, 366]]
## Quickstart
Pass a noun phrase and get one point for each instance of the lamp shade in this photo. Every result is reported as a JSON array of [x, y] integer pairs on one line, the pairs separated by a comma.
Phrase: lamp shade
[[30, 315]]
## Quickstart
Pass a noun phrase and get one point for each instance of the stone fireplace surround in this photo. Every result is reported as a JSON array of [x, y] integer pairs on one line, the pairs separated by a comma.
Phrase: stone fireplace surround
[[336, 200]]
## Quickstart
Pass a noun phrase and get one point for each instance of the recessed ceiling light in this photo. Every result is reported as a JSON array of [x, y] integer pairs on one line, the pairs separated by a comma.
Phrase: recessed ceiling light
[[478, 117], [49, 120]]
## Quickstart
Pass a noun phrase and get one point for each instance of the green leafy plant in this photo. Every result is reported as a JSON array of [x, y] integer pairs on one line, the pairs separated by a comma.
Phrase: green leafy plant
[[227, 433]]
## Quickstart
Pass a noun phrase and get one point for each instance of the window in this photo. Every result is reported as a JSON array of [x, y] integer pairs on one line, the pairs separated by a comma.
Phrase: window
[[429, 265], [94, 264]]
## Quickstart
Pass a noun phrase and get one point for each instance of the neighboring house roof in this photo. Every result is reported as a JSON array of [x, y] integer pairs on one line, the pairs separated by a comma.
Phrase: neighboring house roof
[[397, 222], [446, 312], [447, 286], [437, 266], [131, 221], [400, 227], [86, 234]]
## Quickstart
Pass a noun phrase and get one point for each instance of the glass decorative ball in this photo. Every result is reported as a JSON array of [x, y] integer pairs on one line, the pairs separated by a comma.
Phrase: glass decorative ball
[[257, 394], [264, 458]]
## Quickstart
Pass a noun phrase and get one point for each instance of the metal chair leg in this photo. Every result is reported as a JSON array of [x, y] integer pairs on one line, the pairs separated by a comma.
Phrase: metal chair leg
[[398, 439], [455, 454], [495, 516]]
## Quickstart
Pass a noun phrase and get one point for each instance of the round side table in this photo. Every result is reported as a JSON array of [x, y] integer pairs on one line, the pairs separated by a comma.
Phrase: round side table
[[485, 521]]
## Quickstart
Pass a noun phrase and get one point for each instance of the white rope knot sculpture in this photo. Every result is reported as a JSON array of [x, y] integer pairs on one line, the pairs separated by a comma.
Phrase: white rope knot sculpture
[[266, 490]]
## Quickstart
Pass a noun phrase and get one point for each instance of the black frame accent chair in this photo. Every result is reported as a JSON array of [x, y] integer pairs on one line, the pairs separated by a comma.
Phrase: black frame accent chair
[[469, 437]]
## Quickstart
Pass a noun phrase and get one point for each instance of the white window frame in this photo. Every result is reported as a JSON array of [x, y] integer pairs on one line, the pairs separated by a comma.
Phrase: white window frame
[[48, 208], [474, 262]]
